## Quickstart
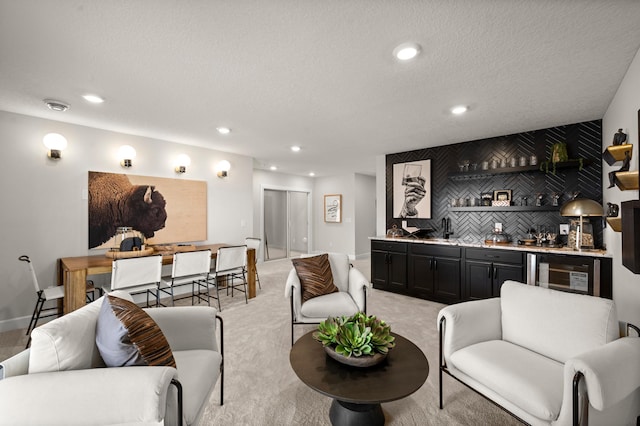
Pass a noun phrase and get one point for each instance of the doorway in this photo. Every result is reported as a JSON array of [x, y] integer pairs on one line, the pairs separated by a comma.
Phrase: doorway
[[285, 223]]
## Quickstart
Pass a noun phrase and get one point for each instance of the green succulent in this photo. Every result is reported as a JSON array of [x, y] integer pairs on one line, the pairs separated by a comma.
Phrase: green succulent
[[356, 335]]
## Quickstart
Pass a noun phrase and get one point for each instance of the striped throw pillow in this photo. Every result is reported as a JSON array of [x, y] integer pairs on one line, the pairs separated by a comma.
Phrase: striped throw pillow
[[315, 276], [126, 335]]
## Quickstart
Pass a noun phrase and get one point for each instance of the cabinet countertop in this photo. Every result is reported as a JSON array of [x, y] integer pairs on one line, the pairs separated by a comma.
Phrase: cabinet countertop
[[511, 246]]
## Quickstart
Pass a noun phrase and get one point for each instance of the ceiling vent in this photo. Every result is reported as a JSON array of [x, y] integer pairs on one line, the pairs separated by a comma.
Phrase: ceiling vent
[[56, 105]]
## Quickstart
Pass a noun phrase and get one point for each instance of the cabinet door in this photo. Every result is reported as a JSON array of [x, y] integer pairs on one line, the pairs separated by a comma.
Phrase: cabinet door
[[446, 273], [379, 269], [420, 277], [397, 272], [478, 280], [502, 273]]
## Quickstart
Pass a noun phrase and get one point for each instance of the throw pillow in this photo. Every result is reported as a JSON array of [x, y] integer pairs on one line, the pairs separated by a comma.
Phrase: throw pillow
[[315, 276], [126, 335]]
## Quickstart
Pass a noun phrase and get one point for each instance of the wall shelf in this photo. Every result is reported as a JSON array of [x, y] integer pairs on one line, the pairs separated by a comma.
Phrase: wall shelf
[[615, 223], [484, 174], [615, 153], [627, 180], [505, 209]]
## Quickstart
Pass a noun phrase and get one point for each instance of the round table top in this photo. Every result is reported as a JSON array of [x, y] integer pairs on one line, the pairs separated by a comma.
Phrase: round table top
[[403, 372]]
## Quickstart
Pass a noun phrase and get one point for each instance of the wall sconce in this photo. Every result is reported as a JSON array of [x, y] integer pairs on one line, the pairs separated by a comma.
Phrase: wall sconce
[[182, 162], [55, 143], [126, 154], [223, 168]]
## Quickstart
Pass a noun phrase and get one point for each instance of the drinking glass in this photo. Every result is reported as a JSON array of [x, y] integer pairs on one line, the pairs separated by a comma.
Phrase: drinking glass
[[411, 173]]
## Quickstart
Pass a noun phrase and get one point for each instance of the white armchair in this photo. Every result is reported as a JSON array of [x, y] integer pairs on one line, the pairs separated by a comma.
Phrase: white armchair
[[548, 357], [64, 371], [351, 297]]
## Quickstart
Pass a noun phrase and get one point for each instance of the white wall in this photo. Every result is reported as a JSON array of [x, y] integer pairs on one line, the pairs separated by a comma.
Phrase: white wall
[[381, 195], [44, 213], [335, 237], [623, 113]]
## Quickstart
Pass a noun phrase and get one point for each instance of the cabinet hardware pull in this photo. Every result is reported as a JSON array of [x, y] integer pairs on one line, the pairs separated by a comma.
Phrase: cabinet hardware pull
[[435, 264], [488, 271], [431, 264], [495, 272]]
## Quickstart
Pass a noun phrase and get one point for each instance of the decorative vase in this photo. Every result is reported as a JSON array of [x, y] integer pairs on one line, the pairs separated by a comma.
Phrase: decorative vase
[[356, 361]]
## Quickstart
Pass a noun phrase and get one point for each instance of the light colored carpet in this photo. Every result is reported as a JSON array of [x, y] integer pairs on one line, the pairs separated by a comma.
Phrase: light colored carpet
[[262, 389]]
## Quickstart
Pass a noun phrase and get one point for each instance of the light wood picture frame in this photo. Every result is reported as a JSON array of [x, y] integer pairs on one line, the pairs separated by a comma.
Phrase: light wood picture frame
[[333, 208]]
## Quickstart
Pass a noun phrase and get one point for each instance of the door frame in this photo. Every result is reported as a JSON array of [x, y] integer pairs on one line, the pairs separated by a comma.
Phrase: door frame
[[288, 189]]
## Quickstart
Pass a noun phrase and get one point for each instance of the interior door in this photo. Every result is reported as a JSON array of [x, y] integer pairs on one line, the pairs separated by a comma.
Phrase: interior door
[[286, 223]]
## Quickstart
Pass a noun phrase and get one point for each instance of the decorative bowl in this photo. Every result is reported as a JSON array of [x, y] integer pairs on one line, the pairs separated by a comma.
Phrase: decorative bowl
[[356, 361]]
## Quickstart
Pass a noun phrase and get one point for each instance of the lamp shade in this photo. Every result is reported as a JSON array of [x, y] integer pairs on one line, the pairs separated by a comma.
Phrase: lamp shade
[[54, 141], [581, 207]]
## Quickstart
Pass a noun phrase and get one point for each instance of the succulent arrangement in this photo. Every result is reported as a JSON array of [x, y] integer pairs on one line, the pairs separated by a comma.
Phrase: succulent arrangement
[[357, 335]]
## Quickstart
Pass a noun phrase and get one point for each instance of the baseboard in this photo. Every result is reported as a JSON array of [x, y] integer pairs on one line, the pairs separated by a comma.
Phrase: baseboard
[[20, 322]]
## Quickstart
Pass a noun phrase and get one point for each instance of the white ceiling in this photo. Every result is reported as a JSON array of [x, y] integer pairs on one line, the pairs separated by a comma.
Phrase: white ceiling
[[318, 74]]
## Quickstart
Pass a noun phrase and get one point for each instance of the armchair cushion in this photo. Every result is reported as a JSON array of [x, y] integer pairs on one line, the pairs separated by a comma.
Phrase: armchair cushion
[[126, 335], [530, 381], [315, 276], [330, 305]]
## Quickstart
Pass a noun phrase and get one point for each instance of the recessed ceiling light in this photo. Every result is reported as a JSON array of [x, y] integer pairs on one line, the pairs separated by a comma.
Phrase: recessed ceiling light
[[94, 99], [461, 109], [295, 148], [312, 174], [273, 168], [223, 130], [56, 105], [406, 51]]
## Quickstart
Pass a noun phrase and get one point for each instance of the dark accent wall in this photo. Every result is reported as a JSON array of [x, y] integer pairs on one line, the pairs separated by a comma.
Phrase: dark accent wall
[[584, 140]]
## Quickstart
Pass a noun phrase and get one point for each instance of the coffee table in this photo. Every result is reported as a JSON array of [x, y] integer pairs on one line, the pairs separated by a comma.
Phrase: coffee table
[[358, 392]]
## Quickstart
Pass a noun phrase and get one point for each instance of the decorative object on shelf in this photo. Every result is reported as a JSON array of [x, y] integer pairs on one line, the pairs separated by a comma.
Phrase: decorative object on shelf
[[533, 160], [624, 168], [485, 165], [513, 162], [501, 198], [412, 190], [493, 164], [612, 154], [333, 208], [619, 138], [523, 161], [612, 210], [539, 198], [555, 197], [581, 235], [524, 201], [559, 154], [503, 163], [359, 340], [487, 198]]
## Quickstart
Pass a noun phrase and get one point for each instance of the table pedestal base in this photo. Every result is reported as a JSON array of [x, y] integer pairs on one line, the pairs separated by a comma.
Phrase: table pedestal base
[[348, 414]]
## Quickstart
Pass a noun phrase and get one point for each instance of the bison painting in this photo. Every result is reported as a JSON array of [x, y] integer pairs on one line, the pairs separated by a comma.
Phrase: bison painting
[[115, 202]]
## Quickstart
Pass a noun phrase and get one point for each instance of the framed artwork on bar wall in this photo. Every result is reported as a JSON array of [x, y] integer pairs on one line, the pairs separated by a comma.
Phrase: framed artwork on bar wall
[[412, 190], [333, 208]]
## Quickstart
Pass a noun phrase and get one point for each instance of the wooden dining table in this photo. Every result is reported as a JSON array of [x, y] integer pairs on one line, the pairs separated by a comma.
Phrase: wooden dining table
[[73, 272]]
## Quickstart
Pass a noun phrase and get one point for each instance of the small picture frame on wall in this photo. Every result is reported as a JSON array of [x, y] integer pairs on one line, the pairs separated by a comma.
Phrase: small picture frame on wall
[[333, 208]]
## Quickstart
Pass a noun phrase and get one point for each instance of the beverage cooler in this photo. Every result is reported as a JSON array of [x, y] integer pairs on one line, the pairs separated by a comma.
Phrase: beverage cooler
[[574, 274]]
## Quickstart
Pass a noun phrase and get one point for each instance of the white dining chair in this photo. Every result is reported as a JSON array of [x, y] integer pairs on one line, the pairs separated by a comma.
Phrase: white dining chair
[[54, 292], [191, 267], [231, 265], [137, 275], [255, 243]]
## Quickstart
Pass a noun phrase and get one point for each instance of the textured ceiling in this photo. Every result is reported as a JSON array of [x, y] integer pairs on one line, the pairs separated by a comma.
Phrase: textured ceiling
[[318, 74]]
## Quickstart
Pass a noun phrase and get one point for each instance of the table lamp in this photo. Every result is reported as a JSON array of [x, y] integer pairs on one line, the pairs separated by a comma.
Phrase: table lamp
[[581, 207]]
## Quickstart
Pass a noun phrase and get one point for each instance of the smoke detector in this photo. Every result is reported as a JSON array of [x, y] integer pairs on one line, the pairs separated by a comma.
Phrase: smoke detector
[[56, 105]]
